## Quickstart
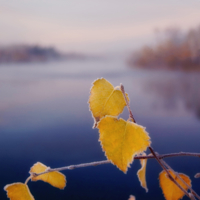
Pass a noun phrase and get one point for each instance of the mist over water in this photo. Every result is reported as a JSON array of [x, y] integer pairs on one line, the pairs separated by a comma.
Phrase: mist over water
[[44, 116]]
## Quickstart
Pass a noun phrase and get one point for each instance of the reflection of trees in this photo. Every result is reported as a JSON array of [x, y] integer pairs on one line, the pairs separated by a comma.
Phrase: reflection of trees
[[177, 89]]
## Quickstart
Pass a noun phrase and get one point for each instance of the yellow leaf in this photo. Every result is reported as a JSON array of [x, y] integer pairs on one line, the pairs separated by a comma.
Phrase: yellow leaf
[[105, 100], [18, 191], [142, 173], [122, 140], [131, 197], [56, 179], [170, 190]]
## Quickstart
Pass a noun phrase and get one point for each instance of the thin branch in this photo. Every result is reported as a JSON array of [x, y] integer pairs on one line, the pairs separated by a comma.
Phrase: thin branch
[[70, 167], [179, 154], [169, 155], [169, 175]]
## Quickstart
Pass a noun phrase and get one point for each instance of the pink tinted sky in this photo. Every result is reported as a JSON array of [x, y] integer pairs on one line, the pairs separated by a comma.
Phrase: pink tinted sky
[[92, 26]]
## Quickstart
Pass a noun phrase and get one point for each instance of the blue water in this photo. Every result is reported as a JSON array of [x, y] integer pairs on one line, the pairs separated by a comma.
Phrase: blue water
[[44, 116]]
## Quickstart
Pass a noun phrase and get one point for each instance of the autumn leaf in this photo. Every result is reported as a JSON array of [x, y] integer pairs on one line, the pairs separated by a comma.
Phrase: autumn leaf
[[131, 197], [18, 191], [170, 190], [122, 140], [55, 178], [105, 100], [142, 173]]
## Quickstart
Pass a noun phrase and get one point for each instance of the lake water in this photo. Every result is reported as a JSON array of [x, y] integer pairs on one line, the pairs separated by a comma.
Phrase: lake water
[[44, 116]]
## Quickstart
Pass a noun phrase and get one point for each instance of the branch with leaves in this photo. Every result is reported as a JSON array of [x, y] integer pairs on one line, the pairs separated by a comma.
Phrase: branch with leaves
[[122, 141]]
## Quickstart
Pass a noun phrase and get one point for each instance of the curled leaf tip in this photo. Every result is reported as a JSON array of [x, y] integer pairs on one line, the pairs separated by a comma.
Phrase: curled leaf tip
[[142, 173]]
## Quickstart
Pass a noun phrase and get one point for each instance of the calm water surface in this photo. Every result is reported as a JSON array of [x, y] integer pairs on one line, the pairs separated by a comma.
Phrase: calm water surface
[[44, 117]]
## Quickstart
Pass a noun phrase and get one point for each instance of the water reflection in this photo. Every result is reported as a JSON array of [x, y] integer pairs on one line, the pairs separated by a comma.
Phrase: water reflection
[[44, 116], [176, 92]]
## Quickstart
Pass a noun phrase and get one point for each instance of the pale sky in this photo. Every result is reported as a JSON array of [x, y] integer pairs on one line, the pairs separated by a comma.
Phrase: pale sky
[[92, 26]]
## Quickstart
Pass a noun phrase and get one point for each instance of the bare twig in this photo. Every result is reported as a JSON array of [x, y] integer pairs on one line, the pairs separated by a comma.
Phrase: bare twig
[[161, 156], [169, 155], [107, 162], [70, 167], [179, 154]]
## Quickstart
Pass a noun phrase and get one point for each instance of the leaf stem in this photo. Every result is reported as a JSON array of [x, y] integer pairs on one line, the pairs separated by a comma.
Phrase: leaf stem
[[27, 180], [127, 103]]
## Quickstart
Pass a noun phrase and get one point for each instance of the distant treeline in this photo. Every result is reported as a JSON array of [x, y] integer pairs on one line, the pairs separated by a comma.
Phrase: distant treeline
[[26, 53], [173, 50], [34, 53]]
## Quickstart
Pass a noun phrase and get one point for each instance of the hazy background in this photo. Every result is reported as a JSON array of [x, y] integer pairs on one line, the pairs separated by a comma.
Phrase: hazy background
[[92, 26], [44, 114]]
